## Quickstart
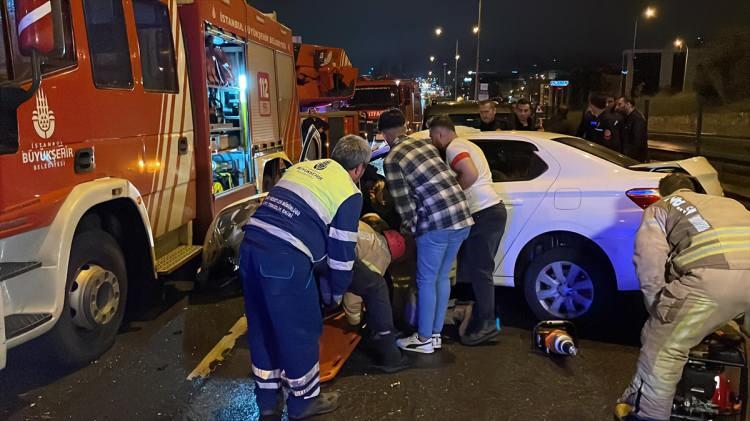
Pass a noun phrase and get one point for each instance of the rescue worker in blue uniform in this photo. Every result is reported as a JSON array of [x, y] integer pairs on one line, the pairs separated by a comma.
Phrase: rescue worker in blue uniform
[[310, 217]]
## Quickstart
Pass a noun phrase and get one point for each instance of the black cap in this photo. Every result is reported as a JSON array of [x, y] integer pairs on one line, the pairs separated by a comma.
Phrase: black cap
[[598, 101], [390, 119]]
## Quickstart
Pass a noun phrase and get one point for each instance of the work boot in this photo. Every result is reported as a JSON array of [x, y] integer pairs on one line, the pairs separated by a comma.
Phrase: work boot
[[623, 412], [483, 331], [322, 404], [274, 414], [388, 357]]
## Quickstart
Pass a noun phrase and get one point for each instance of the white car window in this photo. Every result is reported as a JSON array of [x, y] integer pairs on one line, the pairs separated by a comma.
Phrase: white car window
[[512, 160], [599, 151]]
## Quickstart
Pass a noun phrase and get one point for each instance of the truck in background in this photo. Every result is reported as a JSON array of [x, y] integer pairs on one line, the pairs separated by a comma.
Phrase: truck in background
[[373, 96], [125, 127], [326, 79]]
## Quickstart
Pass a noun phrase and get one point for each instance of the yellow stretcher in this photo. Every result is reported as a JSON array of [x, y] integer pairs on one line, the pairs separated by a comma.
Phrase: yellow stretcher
[[336, 345]]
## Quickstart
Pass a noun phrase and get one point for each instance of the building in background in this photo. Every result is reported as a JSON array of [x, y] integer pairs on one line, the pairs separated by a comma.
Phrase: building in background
[[658, 70]]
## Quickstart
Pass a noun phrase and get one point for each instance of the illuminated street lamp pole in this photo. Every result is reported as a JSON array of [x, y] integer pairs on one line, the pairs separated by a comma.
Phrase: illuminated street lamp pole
[[445, 75], [649, 13], [455, 77], [477, 30], [679, 43]]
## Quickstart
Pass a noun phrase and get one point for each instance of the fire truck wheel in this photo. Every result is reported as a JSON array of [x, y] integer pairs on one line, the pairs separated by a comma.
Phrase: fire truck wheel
[[567, 284], [96, 293]]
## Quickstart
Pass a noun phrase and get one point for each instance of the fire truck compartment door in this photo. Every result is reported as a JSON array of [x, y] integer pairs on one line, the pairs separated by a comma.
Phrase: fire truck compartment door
[[263, 93], [287, 83]]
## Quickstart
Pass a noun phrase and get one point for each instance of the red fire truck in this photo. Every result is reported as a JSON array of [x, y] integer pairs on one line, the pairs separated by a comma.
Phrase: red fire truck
[[373, 96], [125, 126], [326, 78]]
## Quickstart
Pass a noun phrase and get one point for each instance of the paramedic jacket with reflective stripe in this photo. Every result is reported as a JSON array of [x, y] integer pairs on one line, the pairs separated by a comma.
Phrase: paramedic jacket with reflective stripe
[[686, 231], [315, 207]]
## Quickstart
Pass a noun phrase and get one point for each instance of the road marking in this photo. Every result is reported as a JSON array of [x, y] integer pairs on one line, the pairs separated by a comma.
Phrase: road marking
[[219, 351]]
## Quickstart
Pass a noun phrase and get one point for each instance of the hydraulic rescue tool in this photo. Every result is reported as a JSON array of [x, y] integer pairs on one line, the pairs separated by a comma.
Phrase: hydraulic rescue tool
[[556, 337]]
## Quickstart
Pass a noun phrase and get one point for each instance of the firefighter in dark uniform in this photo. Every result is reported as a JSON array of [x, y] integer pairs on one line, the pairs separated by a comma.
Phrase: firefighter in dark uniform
[[692, 256], [310, 216]]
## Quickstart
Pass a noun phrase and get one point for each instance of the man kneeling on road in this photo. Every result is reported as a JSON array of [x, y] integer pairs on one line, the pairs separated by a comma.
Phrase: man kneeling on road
[[311, 214], [704, 243], [376, 247], [476, 258]]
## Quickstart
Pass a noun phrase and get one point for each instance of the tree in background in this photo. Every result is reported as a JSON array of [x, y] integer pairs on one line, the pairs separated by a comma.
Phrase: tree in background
[[723, 74]]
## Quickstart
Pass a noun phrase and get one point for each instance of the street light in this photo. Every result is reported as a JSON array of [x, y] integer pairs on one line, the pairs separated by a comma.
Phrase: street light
[[455, 79], [449, 72], [438, 31], [429, 73], [476, 64], [679, 43], [432, 59], [649, 13]]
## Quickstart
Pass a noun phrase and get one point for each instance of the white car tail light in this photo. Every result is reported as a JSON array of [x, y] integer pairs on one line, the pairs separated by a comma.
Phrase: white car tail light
[[644, 197]]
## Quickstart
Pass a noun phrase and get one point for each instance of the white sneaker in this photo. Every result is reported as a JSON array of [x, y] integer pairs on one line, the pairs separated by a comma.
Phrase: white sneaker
[[413, 344], [437, 341]]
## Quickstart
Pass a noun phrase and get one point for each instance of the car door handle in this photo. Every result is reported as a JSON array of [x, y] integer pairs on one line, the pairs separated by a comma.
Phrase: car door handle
[[182, 145]]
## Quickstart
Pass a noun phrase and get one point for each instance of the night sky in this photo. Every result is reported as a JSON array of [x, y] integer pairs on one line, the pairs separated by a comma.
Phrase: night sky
[[398, 35]]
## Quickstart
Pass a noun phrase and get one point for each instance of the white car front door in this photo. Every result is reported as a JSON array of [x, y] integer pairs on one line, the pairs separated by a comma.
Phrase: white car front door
[[522, 175]]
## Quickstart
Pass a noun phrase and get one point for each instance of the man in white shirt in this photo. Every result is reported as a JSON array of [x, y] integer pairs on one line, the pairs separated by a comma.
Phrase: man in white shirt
[[476, 259]]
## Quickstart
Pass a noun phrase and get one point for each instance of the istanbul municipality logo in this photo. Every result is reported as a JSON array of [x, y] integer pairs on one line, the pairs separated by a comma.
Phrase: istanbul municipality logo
[[43, 117], [322, 165]]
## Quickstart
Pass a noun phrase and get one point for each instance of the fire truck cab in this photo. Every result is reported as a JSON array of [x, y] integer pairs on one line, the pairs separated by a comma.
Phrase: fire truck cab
[[125, 126], [373, 96]]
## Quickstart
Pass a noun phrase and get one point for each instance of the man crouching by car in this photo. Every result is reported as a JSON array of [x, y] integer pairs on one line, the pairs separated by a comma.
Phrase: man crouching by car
[[704, 243], [376, 247]]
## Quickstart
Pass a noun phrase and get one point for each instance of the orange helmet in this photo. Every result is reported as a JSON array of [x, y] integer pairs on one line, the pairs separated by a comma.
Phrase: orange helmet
[[396, 244]]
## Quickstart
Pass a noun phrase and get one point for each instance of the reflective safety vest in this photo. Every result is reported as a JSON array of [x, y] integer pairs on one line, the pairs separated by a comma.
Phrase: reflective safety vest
[[315, 207], [706, 231]]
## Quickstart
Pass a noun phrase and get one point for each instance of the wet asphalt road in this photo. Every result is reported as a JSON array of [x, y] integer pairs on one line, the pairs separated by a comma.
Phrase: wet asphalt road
[[143, 377]]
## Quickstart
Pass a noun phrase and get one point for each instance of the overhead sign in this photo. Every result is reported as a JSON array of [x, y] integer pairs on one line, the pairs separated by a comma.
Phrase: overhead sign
[[559, 83]]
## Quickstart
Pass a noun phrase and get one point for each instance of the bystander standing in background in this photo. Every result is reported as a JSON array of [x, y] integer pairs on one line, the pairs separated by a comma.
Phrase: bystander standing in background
[[634, 130]]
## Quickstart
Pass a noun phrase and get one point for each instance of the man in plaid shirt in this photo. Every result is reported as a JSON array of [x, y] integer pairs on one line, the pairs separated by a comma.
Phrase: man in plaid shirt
[[434, 209]]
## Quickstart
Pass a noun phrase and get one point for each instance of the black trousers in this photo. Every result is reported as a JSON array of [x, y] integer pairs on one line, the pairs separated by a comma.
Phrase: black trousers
[[374, 292], [476, 259]]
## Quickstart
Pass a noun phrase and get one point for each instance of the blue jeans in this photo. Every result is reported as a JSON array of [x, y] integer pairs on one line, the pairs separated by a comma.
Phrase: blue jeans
[[436, 252]]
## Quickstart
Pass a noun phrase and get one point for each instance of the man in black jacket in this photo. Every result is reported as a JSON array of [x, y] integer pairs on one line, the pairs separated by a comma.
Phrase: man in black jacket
[[634, 130], [521, 119], [487, 116]]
